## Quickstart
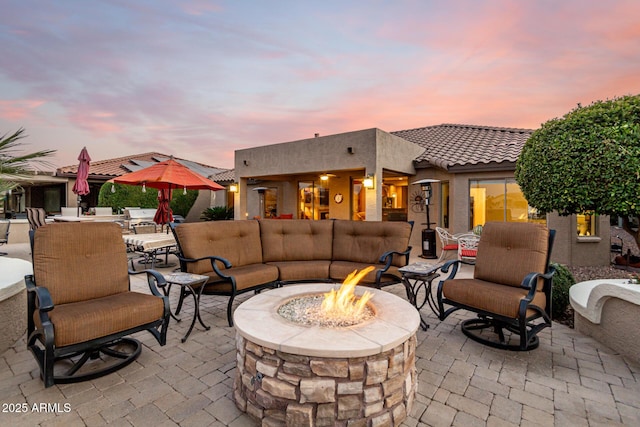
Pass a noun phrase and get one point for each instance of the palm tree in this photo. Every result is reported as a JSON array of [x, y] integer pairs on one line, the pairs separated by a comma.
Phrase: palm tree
[[14, 165]]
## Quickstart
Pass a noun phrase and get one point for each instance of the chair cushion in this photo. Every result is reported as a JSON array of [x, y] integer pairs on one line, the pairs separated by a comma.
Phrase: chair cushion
[[303, 270], [450, 247], [468, 252], [490, 297], [508, 251], [87, 320], [79, 261], [339, 270], [366, 241], [296, 240], [247, 276]]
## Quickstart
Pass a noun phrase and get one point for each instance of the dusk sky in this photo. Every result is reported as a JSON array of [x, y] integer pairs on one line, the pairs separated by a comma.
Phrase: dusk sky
[[199, 79]]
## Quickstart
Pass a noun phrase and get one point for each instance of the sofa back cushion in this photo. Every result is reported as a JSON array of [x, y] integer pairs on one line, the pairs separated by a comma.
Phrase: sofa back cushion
[[237, 241], [296, 240], [365, 241], [79, 261], [508, 251]]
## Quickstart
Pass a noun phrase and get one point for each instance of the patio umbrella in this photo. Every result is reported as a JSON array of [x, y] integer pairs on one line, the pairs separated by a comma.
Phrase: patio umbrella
[[163, 214], [81, 187], [168, 175]]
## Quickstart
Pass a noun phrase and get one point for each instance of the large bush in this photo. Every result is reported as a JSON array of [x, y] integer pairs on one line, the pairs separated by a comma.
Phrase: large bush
[[131, 195], [562, 281], [588, 161]]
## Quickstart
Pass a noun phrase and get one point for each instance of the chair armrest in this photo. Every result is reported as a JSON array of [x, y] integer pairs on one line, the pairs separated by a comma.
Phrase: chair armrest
[[387, 257], [45, 302], [214, 265], [154, 279], [529, 282]]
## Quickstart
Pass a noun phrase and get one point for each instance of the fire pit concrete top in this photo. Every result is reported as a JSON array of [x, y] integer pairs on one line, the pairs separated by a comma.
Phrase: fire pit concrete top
[[258, 321]]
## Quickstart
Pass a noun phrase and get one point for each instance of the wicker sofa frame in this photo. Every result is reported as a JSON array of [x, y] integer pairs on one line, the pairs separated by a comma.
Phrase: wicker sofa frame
[[251, 255]]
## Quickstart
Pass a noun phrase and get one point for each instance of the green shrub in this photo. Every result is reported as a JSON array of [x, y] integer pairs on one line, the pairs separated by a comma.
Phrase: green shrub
[[132, 195], [217, 213], [562, 281]]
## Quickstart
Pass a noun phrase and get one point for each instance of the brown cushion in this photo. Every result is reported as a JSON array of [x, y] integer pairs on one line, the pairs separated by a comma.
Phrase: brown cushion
[[247, 276], [491, 297], [83, 321], [303, 270], [237, 241], [366, 241], [296, 240], [508, 251], [339, 270], [80, 261]]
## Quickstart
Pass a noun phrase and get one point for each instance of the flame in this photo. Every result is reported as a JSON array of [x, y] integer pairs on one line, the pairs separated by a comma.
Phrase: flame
[[343, 302]]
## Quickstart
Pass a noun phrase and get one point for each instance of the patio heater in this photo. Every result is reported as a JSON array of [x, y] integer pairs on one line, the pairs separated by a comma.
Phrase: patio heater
[[428, 234]]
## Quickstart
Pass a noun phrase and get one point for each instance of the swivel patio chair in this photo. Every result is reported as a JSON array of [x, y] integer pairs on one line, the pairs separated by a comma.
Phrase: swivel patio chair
[[80, 308], [510, 290]]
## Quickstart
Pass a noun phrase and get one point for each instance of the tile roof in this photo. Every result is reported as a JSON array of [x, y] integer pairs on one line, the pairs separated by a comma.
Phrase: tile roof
[[454, 146], [121, 165], [227, 176]]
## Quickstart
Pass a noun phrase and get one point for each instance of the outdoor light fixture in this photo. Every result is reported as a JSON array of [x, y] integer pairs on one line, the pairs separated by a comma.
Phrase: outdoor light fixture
[[368, 182], [144, 187], [233, 188], [428, 235], [324, 177]]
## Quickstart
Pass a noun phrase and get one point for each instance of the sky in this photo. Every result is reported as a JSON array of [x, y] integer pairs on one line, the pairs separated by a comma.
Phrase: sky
[[199, 79]]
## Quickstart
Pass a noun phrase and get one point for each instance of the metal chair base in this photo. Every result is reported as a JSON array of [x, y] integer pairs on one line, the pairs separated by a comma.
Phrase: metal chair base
[[476, 329], [91, 364]]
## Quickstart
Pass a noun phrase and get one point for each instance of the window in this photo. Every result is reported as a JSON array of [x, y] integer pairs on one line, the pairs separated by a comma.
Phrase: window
[[586, 225], [444, 214], [313, 199], [499, 200]]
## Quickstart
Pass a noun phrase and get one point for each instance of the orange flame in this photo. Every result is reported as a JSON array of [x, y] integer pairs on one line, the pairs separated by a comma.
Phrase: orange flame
[[343, 302]]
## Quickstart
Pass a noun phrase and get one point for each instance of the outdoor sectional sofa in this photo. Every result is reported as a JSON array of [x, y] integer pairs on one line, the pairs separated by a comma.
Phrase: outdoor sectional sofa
[[250, 255]]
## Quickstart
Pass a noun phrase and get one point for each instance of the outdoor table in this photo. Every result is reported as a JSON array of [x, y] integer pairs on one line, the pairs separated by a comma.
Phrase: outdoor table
[[416, 277], [187, 281], [151, 243]]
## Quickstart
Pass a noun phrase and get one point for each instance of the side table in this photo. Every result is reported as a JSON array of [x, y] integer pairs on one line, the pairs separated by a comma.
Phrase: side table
[[418, 277], [187, 281]]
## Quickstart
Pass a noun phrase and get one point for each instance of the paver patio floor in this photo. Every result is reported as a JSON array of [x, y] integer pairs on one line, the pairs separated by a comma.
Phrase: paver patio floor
[[570, 380]]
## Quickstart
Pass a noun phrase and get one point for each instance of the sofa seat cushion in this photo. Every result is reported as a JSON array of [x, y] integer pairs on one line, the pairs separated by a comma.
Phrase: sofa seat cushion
[[247, 276], [339, 270], [83, 321], [291, 271], [498, 299]]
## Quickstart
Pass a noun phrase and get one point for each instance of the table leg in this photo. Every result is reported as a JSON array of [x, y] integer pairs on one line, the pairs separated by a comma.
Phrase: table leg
[[412, 294], [167, 291], [196, 313]]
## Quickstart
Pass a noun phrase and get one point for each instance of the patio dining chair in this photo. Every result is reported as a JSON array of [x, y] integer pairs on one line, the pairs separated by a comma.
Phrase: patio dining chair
[[468, 247], [80, 308], [510, 291], [4, 234], [448, 242]]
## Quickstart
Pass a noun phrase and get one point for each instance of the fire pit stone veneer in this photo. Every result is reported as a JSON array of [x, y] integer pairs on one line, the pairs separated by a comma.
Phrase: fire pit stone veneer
[[296, 375]]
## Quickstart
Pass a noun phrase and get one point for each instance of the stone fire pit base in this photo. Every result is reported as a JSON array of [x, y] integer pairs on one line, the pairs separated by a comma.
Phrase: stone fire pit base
[[278, 388], [295, 375]]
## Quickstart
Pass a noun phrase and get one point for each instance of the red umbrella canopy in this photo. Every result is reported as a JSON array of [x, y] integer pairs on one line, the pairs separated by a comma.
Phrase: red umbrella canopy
[[168, 174], [81, 187]]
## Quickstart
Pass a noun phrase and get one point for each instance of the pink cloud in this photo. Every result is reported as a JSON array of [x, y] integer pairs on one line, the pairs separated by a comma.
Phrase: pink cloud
[[18, 109]]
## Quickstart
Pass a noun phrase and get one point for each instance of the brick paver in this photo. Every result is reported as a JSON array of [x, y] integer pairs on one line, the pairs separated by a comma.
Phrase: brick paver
[[569, 380]]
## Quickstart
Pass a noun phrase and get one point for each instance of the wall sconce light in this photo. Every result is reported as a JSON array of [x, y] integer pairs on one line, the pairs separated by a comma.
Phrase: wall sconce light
[[245, 162], [350, 150], [368, 182], [233, 188]]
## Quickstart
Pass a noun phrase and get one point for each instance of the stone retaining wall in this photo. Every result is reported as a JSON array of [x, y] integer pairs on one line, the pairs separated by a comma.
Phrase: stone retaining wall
[[278, 388]]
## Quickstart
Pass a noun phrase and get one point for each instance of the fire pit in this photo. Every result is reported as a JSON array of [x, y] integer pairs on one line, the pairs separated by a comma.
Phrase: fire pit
[[305, 374]]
